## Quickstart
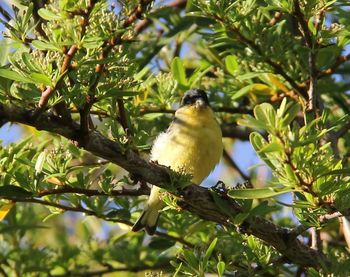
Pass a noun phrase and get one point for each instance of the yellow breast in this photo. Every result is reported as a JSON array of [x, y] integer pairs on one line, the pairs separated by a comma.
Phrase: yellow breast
[[193, 143]]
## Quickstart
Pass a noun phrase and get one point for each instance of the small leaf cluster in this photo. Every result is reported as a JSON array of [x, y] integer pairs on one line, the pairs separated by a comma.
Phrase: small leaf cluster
[[287, 149]]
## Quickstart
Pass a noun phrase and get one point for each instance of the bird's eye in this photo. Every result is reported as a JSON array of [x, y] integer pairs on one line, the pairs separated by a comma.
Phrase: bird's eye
[[187, 100]]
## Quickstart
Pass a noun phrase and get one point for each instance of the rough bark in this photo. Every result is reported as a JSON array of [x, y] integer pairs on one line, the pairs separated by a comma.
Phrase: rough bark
[[198, 200]]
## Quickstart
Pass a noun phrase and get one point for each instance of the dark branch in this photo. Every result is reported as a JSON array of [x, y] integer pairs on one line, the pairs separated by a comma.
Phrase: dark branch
[[143, 190], [232, 131], [194, 198], [123, 117], [340, 60], [278, 69], [233, 164], [110, 269], [147, 110], [5, 14], [312, 45], [107, 47]]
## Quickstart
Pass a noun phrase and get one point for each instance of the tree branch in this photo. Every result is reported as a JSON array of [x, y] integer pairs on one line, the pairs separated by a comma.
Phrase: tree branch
[[340, 60], [69, 55], [111, 269], [278, 69], [233, 164], [194, 198], [313, 72], [80, 209], [38, 20], [107, 47], [147, 110], [143, 190], [5, 14]]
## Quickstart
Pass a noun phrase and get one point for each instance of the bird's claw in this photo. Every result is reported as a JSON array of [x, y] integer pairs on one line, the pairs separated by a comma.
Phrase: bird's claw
[[220, 187]]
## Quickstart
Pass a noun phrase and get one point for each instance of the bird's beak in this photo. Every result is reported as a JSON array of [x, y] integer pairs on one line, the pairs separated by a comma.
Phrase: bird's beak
[[200, 104]]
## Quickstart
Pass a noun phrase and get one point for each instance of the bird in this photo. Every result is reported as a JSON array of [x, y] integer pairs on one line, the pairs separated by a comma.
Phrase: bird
[[192, 144]]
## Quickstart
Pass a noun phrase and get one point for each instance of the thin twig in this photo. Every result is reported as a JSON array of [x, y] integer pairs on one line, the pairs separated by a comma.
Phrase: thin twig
[[233, 164], [316, 242], [198, 200], [5, 14], [313, 72], [276, 17], [107, 47], [93, 213], [147, 110], [230, 130], [37, 19], [326, 217], [123, 117], [69, 55], [94, 192], [340, 60], [276, 66], [335, 136], [303, 24], [111, 269]]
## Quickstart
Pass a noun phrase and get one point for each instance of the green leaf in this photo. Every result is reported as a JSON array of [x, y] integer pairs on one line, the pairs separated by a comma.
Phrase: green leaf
[[49, 15], [190, 259], [266, 113], [5, 49], [249, 121], [178, 72], [257, 193], [263, 209], [27, 59], [161, 243], [311, 26], [257, 141], [178, 268], [271, 147], [209, 251], [239, 218], [40, 162], [292, 178], [14, 192], [311, 139], [290, 115], [283, 107], [231, 64], [343, 171], [250, 75], [15, 76], [221, 268], [120, 93], [41, 78], [243, 91], [43, 45], [92, 42], [28, 14], [220, 203]]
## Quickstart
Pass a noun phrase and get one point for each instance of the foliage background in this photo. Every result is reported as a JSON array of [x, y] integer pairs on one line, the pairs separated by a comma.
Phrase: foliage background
[[277, 74]]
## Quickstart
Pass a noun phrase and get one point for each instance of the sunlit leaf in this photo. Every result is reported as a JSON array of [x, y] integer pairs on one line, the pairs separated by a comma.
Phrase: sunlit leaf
[[49, 15], [178, 71], [15, 76], [257, 193], [231, 64]]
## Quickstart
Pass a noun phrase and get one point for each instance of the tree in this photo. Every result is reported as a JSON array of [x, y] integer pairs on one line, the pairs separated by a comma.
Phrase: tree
[[91, 84]]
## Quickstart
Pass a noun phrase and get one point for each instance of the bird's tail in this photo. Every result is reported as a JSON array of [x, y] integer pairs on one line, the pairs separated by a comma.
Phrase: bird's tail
[[148, 220]]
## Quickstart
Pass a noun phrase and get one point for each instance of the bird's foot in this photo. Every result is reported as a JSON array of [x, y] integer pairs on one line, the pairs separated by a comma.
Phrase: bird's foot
[[220, 188]]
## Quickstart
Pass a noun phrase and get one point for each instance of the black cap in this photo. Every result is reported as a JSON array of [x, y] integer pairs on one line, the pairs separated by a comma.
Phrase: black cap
[[192, 96]]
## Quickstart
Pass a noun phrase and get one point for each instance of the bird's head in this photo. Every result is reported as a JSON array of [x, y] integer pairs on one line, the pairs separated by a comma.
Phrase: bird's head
[[196, 98]]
